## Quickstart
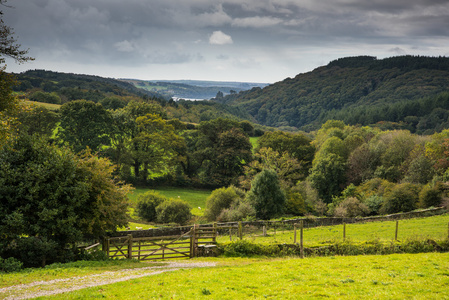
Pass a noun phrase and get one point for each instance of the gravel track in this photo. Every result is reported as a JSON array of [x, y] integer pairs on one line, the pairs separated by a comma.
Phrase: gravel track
[[58, 286]]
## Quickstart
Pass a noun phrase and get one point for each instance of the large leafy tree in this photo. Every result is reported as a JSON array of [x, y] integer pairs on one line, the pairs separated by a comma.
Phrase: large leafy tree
[[297, 145], [218, 151], [85, 124], [50, 196]]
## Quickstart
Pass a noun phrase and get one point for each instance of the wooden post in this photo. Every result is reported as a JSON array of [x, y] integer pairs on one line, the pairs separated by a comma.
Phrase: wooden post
[[344, 231], [240, 230], [294, 236], [215, 233], [230, 234], [301, 240], [264, 230], [130, 246], [106, 245], [396, 233], [448, 231]]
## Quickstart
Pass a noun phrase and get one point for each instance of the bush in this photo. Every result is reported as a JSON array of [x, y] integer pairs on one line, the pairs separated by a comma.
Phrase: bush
[[374, 204], [351, 207], [147, 203], [402, 198], [33, 251], [431, 195], [221, 199], [173, 211], [295, 203], [237, 212], [9, 265]]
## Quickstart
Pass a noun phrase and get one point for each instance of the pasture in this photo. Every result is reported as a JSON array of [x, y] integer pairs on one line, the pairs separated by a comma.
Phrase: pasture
[[435, 227], [398, 276]]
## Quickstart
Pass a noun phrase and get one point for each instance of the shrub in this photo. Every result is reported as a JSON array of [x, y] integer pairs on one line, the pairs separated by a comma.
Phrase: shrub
[[173, 211], [221, 199], [351, 207], [237, 212], [402, 198], [431, 195], [295, 203], [374, 203], [9, 265], [147, 203]]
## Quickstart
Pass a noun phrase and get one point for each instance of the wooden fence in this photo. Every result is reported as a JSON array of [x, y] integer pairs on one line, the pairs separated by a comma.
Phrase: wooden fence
[[196, 242]]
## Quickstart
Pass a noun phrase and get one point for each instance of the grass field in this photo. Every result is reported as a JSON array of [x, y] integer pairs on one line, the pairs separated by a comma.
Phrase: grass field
[[398, 276], [435, 227], [195, 197]]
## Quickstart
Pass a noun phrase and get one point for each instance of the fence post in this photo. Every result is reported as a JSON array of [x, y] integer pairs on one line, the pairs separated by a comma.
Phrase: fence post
[[192, 241], [301, 240], [396, 232], [130, 246], [344, 231], [264, 230], [448, 231], [240, 230], [294, 238], [106, 245], [215, 232]]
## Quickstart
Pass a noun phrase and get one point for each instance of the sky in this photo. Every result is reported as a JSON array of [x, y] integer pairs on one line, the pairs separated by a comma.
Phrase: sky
[[229, 40]]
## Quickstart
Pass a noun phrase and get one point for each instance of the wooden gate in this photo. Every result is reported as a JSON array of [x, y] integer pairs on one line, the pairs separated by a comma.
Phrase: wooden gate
[[196, 242]]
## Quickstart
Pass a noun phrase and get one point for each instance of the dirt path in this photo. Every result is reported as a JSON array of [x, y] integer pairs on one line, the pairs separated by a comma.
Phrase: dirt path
[[58, 286]]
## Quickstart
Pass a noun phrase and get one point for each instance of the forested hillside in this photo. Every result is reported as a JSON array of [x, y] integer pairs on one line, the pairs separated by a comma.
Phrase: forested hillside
[[402, 92]]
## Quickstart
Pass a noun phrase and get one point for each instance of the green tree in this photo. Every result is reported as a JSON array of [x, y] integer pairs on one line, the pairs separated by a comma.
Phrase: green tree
[[328, 176], [51, 196], [85, 124], [37, 120], [297, 145], [266, 195]]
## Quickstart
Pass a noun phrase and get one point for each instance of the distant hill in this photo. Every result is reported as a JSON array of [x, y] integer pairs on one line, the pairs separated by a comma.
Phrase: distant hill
[[403, 91], [92, 87], [193, 89]]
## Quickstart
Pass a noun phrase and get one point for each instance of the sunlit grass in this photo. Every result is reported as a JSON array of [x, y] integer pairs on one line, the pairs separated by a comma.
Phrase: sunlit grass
[[435, 227], [399, 276]]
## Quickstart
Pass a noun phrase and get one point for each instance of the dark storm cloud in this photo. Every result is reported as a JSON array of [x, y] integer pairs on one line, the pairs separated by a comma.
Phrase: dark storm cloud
[[251, 33]]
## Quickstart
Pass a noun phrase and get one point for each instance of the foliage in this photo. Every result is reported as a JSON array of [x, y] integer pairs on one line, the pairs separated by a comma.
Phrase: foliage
[[40, 96], [49, 192], [238, 211], [431, 195], [365, 93], [173, 211], [9, 265], [84, 124], [328, 176], [36, 119], [402, 198], [221, 199], [351, 207], [147, 203], [217, 153], [266, 195]]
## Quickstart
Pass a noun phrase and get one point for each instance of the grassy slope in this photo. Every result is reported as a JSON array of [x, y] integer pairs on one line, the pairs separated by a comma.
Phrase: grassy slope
[[400, 276]]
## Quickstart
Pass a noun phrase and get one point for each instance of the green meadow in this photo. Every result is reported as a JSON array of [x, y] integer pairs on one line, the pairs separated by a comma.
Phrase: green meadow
[[397, 276], [435, 227]]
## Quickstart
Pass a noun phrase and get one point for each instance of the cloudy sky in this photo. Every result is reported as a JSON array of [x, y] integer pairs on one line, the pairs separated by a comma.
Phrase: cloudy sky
[[229, 40]]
